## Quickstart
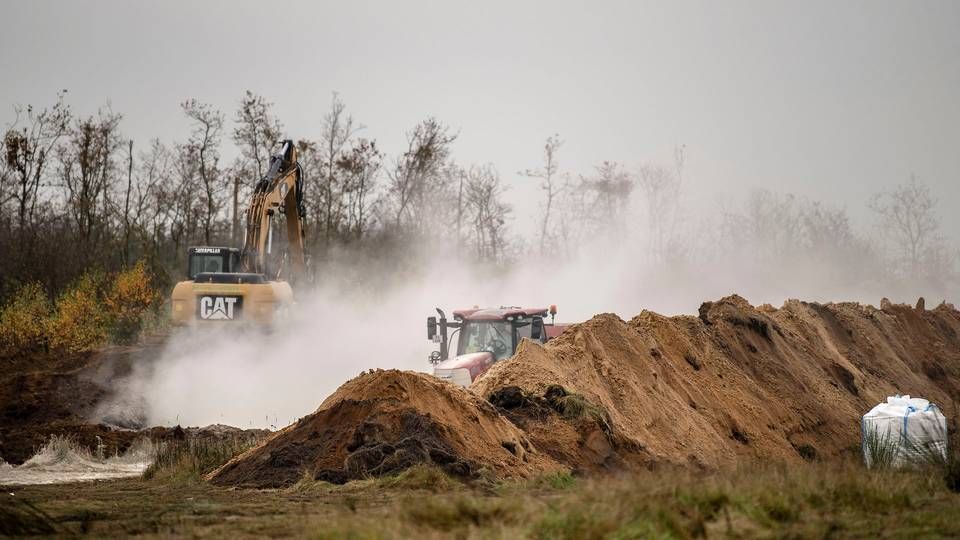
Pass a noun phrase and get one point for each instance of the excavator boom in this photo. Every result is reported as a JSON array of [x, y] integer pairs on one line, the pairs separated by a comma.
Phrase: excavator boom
[[280, 190]]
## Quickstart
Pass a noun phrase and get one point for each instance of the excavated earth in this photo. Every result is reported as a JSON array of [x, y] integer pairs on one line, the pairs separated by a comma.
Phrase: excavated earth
[[383, 422], [742, 383], [733, 385]]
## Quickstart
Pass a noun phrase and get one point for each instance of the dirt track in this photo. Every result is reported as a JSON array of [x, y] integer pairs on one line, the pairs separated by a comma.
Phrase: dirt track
[[736, 383]]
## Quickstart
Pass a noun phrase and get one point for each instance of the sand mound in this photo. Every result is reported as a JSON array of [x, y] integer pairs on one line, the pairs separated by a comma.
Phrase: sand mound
[[385, 421], [735, 384], [739, 382]]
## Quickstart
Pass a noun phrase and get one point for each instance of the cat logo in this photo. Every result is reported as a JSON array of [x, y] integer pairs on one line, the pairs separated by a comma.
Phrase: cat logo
[[219, 308]]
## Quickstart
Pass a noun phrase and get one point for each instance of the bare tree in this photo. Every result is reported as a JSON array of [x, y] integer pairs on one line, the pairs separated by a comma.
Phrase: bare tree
[[148, 211], [661, 192], [360, 167], [417, 173], [127, 218], [257, 131], [87, 166], [549, 185], [337, 130], [203, 147], [27, 152], [487, 211], [6, 180], [909, 222], [604, 198]]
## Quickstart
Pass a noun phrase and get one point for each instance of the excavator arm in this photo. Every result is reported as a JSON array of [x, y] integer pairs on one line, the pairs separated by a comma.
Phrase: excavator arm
[[279, 191]]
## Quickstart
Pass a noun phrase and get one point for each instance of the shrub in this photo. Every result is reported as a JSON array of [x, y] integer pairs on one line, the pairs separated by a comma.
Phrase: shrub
[[23, 319], [881, 449], [79, 322], [132, 297]]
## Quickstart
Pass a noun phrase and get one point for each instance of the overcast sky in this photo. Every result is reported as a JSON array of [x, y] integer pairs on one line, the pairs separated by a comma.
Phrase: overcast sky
[[830, 100]]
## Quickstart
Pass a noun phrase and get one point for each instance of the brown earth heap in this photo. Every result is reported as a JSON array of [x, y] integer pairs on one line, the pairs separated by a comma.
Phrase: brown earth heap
[[383, 422], [739, 382], [735, 384]]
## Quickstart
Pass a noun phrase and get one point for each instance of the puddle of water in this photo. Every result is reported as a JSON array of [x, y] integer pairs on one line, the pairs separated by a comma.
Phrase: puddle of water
[[62, 461]]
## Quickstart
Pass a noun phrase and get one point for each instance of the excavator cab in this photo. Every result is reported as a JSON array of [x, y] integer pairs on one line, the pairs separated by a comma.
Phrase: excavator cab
[[204, 259]]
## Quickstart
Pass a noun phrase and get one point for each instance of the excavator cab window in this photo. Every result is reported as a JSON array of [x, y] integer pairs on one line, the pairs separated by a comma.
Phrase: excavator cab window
[[208, 260]]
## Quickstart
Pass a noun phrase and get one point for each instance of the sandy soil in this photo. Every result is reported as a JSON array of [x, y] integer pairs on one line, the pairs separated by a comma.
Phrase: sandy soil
[[739, 382], [734, 385], [383, 422]]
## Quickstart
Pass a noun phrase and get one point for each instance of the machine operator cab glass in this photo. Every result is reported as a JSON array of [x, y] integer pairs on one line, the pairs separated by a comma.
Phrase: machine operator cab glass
[[495, 337], [500, 338], [212, 259]]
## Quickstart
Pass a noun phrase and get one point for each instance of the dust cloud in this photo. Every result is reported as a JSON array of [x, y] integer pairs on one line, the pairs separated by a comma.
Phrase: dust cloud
[[373, 316]]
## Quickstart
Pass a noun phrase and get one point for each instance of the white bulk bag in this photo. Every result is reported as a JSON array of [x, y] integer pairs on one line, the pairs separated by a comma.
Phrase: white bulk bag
[[903, 430]]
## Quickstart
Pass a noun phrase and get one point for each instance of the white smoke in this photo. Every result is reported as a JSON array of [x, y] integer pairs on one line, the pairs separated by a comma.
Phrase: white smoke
[[363, 316]]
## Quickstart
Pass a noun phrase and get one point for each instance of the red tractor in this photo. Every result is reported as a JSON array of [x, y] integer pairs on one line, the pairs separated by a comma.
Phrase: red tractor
[[485, 336]]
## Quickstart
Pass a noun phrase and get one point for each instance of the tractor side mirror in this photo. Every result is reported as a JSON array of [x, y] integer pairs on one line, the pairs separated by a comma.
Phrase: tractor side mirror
[[432, 328], [536, 329]]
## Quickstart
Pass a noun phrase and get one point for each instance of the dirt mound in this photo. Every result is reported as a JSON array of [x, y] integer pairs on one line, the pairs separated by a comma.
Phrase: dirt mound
[[739, 382], [383, 422]]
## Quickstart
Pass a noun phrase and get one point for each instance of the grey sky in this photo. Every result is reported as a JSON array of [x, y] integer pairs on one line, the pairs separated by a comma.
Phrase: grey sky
[[831, 100]]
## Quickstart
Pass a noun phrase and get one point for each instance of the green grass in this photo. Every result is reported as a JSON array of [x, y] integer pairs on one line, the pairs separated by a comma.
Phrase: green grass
[[881, 449]]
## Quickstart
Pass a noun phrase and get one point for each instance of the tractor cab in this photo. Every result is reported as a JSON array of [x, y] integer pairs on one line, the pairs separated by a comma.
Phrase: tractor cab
[[484, 336], [209, 260]]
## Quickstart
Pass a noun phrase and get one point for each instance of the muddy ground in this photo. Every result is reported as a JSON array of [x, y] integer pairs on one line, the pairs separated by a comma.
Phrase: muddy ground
[[46, 394]]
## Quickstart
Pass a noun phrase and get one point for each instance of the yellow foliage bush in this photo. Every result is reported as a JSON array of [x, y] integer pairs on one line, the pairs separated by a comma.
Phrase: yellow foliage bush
[[88, 314], [80, 322], [23, 320], [130, 300]]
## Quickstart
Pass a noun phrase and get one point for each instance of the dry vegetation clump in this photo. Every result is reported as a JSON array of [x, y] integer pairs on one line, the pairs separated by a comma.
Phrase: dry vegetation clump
[[94, 310], [22, 320], [132, 301], [188, 460], [79, 322]]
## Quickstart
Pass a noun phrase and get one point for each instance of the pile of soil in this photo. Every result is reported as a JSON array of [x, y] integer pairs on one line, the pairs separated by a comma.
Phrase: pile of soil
[[383, 422], [737, 382]]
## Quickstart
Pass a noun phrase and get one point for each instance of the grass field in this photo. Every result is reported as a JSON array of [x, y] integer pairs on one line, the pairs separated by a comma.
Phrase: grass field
[[807, 501]]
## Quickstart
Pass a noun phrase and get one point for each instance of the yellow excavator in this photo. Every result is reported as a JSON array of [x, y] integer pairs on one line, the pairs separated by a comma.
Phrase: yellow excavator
[[251, 284]]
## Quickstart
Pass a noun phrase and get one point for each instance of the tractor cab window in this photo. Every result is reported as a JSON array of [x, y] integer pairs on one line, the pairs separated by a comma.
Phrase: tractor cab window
[[524, 328], [495, 337]]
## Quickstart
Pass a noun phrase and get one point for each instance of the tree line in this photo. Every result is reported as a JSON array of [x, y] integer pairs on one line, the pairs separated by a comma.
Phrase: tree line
[[77, 194]]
